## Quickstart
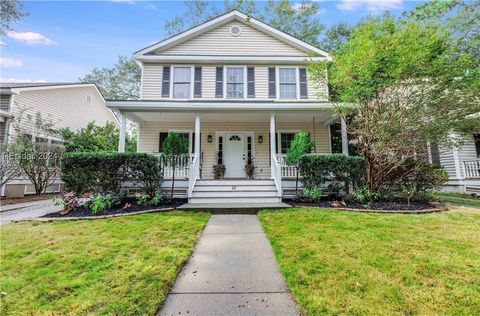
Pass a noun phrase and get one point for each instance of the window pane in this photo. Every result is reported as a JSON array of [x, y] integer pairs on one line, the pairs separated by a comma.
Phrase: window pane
[[181, 90], [285, 140], [234, 75], [287, 75], [235, 90], [288, 91], [181, 74]]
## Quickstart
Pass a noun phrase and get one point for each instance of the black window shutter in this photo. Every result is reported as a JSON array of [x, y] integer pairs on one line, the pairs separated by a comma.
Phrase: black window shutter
[[476, 139], [166, 82], [197, 88], [219, 83], [162, 138], [272, 86], [251, 82], [303, 83]]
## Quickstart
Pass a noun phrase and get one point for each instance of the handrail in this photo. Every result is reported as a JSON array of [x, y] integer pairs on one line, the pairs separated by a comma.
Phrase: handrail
[[277, 174], [472, 169], [193, 174]]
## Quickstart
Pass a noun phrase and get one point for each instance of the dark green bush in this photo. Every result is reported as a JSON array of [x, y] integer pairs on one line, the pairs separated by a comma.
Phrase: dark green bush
[[336, 173], [105, 172]]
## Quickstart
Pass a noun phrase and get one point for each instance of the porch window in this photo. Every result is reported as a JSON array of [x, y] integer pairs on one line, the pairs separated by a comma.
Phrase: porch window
[[476, 139], [181, 82], [285, 140], [287, 78], [235, 82]]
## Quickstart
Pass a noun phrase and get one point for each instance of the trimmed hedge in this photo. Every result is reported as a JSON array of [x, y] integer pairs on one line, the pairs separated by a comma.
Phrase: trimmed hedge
[[104, 172], [335, 172]]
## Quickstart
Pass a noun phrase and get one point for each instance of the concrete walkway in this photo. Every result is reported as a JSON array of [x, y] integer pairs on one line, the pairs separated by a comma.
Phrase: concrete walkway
[[28, 210], [232, 272]]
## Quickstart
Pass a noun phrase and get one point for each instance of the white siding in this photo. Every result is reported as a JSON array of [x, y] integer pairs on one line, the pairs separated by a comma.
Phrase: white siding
[[5, 102], [149, 140], [219, 42], [64, 107], [466, 152], [152, 83]]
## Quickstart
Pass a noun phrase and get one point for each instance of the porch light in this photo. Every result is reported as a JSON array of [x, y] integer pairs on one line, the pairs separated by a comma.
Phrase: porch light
[[209, 138], [260, 139]]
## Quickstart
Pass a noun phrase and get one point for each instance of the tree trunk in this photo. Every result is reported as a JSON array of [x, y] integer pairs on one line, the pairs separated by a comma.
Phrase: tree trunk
[[296, 181], [173, 177]]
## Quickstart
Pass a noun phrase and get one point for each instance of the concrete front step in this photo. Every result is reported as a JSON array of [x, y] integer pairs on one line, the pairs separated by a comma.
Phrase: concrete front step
[[233, 208], [229, 188], [235, 193], [239, 200], [235, 182]]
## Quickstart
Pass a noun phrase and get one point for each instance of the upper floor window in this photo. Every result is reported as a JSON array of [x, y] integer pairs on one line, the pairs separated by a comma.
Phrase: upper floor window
[[235, 82], [182, 82], [287, 78]]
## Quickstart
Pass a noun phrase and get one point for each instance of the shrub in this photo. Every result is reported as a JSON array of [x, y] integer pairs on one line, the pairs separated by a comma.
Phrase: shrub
[[68, 201], [157, 197], [104, 172], [98, 203], [313, 194], [337, 173], [365, 196]]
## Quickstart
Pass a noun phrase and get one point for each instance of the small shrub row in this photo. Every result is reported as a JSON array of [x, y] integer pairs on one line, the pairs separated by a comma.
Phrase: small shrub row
[[335, 173], [105, 172]]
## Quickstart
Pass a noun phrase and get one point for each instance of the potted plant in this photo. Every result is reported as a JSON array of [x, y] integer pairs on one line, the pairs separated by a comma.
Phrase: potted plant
[[219, 168], [249, 168]]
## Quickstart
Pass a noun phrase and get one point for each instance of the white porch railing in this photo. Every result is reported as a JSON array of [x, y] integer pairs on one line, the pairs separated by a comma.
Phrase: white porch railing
[[182, 166], [472, 169], [277, 174], [287, 171], [194, 174]]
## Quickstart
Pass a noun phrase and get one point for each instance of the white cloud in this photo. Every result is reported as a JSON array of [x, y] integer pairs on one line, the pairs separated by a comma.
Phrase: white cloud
[[123, 1], [2, 44], [11, 80], [31, 38], [10, 62], [374, 6], [301, 6], [151, 7]]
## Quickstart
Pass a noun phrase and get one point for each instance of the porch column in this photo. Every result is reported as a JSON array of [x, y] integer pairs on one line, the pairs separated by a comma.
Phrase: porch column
[[272, 143], [197, 140], [123, 131], [343, 125]]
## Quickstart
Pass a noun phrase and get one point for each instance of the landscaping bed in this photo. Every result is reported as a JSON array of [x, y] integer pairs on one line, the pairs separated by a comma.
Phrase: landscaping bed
[[126, 207]]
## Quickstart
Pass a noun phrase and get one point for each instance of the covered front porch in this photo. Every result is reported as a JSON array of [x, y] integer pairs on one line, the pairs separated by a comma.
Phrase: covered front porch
[[230, 136]]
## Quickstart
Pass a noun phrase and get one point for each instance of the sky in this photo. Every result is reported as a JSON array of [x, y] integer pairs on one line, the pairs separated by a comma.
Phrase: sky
[[63, 40]]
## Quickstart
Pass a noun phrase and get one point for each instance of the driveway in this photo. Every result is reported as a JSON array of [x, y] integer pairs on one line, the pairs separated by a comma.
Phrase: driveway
[[232, 272], [26, 210]]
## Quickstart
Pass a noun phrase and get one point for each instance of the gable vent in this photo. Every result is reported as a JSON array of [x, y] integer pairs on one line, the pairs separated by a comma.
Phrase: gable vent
[[235, 30]]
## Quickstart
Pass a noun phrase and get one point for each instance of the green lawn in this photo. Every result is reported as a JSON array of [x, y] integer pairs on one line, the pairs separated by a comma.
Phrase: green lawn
[[457, 198], [379, 264], [121, 266]]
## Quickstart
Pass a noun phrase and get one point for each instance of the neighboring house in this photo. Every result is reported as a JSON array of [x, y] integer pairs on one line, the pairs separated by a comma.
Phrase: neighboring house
[[462, 165], [65, 105], [235, 88]]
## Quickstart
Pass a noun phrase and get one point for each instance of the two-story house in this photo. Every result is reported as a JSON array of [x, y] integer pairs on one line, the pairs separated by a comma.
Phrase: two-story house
[[236, 88]]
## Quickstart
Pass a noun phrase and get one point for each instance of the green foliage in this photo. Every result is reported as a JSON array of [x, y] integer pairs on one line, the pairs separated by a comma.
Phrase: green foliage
[[335, 37], [96, 138], [141, 199], [157, 197], [119, 82], [68, 202], [336, 173], [299, 147], [100, 203], [104, 172], [10, 11], [365, 196], [313, 194], [174, 147]]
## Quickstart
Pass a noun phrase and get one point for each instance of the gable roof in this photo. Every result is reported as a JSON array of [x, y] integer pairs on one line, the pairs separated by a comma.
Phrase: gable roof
[[234, 15]]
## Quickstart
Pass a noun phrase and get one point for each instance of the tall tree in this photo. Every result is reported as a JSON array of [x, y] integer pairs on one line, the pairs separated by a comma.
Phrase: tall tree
[[298, 19], [335, 37], [402, 83], [10, 12], [174, 147], [119, 82]]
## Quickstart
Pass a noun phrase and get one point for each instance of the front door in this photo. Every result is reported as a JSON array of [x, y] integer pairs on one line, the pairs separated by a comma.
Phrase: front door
[[234, 155]]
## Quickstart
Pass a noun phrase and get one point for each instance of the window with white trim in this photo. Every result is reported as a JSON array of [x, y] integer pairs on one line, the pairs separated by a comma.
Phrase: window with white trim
[[285, 141], [287, 79], [182, 77], [235, 83]]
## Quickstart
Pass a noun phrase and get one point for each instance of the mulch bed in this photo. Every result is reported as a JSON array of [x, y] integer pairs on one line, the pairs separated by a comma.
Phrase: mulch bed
[[84, 212], [383, 206]]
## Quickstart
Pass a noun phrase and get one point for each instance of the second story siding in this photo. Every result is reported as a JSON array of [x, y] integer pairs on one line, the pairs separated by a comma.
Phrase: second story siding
[[152, 79]]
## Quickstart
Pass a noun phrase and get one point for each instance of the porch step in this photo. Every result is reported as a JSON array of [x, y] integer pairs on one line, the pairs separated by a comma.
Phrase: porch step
[[234, 191]]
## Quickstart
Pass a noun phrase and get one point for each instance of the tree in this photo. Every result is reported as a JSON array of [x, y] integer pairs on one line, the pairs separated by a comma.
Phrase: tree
[[335, 37], [174, 147], [10, 12], [299, 147], [119, 82], [403, 84], [9, 167], [96, 138], [300, 19]]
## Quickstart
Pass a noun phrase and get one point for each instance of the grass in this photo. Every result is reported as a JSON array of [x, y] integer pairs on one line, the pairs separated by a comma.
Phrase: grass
[[120, 266], [457, 198], [379, 264]]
